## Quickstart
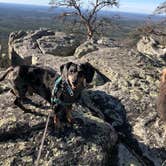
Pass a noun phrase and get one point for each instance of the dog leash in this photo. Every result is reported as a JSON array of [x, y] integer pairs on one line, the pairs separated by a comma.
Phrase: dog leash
[[55, 89], [42, 141]]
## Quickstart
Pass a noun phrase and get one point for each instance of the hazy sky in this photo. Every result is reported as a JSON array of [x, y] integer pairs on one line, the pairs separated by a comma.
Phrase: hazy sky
[[137, 6]]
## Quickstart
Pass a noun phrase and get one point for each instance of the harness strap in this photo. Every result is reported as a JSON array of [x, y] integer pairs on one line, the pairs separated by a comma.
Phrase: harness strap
[[70, 91], [55, 100], [55, 89], [59, 102]]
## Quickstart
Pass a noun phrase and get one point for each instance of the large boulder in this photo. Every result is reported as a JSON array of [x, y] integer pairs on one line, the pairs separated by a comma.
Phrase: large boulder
[[106, 41], [88, 142], [125, 106], [59, 44], [113, 62], [27, 47], [134, 82], [93, 45], [149, 46], [85, 48]]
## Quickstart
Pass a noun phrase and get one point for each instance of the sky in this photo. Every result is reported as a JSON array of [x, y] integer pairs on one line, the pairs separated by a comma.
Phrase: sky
[[135, 6]]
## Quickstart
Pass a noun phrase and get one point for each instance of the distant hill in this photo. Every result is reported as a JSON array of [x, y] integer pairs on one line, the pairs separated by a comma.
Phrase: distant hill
[[131, 16], [14, 17], [47, 11]]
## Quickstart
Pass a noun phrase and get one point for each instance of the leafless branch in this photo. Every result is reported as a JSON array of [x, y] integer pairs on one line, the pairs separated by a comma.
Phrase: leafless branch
[[161, 9], [87, 17]]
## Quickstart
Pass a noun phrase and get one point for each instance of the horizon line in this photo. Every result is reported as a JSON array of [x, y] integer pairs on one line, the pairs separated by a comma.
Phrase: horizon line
[[47, 5]]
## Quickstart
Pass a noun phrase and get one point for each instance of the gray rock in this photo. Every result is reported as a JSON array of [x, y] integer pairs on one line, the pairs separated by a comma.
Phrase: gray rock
[[151, 131], [93, 45], [27, 47], [85, 48], [106, 41], [59, 44], [150, 47], [113, 62], [125, 157], [127, 102], [3, 87], [134, 83], [88, 142], [4, 60], [105, 106]]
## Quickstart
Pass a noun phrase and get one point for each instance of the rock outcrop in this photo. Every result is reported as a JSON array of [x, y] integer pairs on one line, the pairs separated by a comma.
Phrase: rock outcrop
[[88, 141], [122, 108], [149, 46], [85, 48], [93, 45], [27, 47], [134, 81], [106, 41]]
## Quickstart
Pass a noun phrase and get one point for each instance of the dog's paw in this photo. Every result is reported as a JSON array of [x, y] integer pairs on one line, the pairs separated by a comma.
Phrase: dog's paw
[[70, 120], [56, 122]]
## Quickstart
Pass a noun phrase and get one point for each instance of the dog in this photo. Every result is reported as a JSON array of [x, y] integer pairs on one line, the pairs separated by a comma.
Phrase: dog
[[41, 80], [161, 101]]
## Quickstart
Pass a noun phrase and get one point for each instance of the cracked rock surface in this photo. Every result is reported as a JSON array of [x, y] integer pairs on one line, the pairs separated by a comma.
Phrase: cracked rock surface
[[88, 141], [116, 122], [27, 47]]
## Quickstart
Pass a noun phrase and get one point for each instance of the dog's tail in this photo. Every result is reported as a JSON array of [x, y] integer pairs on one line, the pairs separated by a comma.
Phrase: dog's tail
[[6, 73]]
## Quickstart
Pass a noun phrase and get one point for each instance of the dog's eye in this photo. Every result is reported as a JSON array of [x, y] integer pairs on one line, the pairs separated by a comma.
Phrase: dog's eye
[[72, 70]]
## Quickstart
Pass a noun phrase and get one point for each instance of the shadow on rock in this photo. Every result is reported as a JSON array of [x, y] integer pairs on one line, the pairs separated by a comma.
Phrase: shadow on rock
[[88, 141], [91, 140], [129, 150]]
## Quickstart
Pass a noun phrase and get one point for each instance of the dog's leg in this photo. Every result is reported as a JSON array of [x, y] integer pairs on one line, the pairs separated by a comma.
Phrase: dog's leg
[[69, 117], [18, 103], [68, 114], [30, 91], [20, 92], [56, 121], [6, 73]]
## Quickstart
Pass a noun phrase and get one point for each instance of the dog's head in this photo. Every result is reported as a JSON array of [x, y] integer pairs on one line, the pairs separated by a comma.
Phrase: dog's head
[[77, 74], [163, 76]]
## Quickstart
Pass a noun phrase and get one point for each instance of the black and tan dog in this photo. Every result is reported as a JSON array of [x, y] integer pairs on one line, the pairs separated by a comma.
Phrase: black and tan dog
[[41, 80], [161, 102]]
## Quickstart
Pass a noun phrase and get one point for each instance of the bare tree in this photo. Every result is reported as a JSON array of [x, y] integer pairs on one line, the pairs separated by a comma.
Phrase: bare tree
[[87, 16], [161, 9]]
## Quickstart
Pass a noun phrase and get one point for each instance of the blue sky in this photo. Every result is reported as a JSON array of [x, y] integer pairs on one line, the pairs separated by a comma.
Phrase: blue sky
[[137, 6]]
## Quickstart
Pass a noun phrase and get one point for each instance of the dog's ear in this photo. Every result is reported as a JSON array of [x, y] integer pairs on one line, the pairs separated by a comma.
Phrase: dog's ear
[[64, 68], [89, 71]]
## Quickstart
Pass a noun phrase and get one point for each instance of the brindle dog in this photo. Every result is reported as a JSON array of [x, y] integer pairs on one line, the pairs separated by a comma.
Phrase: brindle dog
[[40, 80]]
